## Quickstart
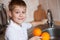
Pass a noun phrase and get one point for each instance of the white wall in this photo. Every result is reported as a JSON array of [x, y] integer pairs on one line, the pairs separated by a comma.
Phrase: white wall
[[5, 2], [54, 6], [0, 1], [31, 6], [59, 9]]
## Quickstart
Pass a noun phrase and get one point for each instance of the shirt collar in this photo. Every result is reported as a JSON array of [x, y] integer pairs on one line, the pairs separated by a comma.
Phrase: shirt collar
[[12, 23]]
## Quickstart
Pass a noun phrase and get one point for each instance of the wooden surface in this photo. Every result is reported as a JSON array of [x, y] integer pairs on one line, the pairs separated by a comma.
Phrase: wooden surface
[[39, 14], [57, 23]]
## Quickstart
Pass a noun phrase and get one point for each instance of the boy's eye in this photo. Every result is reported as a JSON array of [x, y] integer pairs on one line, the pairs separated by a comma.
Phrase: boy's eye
[[17, 12], [23, 12]]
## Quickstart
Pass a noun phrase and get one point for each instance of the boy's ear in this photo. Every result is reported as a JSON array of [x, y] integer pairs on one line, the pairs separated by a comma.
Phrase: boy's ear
[[9, 14]]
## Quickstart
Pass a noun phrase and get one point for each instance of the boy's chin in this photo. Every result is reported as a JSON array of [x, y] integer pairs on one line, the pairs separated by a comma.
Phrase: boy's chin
[[20, 22]]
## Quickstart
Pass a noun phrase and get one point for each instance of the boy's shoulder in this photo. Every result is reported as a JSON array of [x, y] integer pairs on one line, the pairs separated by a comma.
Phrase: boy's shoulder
[[27, 25]]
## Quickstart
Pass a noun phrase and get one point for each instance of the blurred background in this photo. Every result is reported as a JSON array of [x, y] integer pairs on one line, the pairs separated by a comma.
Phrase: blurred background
[[36, 11]]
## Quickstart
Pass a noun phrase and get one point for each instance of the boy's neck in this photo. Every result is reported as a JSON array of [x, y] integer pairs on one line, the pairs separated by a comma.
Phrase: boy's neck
[[17, 23]]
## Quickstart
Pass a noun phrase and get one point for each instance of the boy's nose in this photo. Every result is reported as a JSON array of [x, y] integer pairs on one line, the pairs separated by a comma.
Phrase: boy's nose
[[20, 15]]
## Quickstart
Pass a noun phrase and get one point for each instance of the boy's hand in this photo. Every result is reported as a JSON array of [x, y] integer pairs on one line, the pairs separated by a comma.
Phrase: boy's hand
[[44, 21], [35, 38]]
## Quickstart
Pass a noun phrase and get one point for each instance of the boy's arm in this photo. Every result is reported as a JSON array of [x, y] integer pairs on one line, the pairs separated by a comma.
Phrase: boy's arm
[[44, 21]]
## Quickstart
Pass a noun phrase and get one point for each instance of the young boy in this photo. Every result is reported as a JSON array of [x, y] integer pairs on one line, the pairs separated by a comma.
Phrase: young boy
[[17, 29]]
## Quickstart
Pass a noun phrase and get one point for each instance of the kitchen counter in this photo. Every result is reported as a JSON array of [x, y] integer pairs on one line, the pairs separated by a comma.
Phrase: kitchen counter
[[55, 26]]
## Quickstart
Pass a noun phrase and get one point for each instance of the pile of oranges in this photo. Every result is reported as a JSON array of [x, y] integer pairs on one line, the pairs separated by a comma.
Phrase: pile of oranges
[[38, 32]]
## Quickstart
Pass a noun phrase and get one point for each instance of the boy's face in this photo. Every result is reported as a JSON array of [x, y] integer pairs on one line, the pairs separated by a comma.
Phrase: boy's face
[[18, 14]]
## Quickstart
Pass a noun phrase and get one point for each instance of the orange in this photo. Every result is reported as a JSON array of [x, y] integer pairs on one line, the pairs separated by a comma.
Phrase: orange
[[45, 36], [37, 31]]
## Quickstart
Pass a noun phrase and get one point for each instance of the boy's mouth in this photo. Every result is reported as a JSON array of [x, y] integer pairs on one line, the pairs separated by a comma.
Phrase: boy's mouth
[[20, 18]]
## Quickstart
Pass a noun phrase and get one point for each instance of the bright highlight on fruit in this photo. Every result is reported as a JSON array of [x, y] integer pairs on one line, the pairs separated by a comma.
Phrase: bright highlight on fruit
[[45, 36], [37, 31]]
